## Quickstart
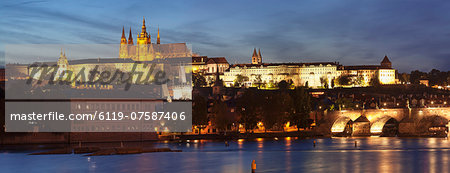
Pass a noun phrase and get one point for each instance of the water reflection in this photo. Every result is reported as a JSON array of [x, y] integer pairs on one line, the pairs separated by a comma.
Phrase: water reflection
[[373, 154], [240, 143]]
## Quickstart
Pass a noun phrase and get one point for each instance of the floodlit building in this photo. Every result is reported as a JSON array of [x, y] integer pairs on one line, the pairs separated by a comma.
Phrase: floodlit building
[[366, 73], [132, 58], [145, 50], [315, 75], [208, 67]]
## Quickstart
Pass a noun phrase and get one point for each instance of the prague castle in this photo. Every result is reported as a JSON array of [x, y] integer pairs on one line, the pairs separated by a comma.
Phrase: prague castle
[[133, 56], [145, 50], [257, 73]]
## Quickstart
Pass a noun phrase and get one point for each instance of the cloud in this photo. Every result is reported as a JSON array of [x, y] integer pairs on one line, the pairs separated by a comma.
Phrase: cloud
[[414, 34]]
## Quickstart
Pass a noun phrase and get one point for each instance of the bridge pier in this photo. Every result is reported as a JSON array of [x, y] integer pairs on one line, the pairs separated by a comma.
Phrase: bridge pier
[[361, 127], [407, 128]]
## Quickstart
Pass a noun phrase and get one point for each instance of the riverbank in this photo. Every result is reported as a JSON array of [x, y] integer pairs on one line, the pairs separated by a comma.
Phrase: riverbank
[[96, 151], [236, 135]]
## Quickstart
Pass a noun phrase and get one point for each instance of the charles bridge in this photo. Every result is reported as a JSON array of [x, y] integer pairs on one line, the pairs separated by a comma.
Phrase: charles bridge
[[431, 121]]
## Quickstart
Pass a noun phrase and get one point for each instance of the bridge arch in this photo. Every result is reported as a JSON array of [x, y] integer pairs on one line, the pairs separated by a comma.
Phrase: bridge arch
[[434, 125], [384, 126], [342, 125]]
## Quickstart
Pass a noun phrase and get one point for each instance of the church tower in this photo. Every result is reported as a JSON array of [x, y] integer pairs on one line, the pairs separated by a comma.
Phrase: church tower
[[142, 48], [130, 38], [386, 63], [143, 37], [259, 57], [254, 57], [62, 61], [131, 50], [123, 51], [63, 65], [157, 37]]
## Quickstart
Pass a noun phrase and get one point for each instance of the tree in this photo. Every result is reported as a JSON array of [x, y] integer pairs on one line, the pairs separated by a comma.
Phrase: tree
[[199, 112], [404, 77], [416, 75], [282, 85], [375, 81], [271, 110], [343, 102], [198, 80], [285, 103], [248, 108], [301, 108], [221, 118], [239, 81], [343, 80], [324, 82], [332, 83], [359, 81], [437, 77], [258, 81]]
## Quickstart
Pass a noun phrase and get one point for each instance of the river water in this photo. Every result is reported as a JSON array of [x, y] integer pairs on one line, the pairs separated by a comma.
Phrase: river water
[[372, 154]]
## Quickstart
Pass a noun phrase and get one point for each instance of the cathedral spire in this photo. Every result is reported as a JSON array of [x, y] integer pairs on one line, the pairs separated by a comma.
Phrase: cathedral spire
[[255, 57], [123, 40], [254, 53], [123, 32], [130, 38], [157, 37], [143, 37], [259, 54], [144, 30]]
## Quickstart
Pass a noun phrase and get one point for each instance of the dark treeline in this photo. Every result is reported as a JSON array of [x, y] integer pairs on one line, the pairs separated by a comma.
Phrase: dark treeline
[[435, 77], [274, 108]]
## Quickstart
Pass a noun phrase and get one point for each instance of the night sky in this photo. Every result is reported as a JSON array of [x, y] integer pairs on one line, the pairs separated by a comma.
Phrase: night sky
[[414, 34]]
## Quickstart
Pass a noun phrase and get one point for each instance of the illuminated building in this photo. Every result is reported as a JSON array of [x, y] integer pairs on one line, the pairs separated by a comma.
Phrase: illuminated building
[[383, 72], [208, 67], [205, 65], [145, 50], [315, 75], [269, 74], [140, 55]]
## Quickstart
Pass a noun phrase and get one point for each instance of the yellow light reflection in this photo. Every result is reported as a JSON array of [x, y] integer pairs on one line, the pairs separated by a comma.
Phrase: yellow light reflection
[[377, 126], [339, 125]]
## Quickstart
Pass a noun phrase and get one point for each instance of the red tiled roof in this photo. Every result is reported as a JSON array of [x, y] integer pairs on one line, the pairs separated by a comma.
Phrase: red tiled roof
[[278, 64], [217, 60], [203, 59], [362, 67]]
